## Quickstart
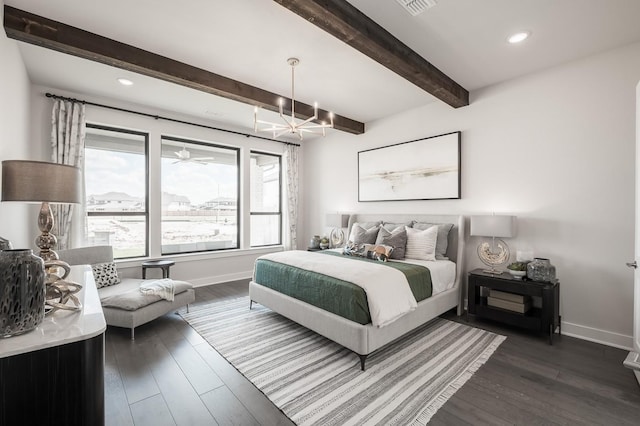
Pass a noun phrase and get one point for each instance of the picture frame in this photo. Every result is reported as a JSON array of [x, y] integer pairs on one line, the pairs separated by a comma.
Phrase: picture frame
[[421, 169]]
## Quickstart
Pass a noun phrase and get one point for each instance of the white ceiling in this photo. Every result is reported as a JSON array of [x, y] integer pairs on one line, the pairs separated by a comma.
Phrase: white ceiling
[[250, 40]]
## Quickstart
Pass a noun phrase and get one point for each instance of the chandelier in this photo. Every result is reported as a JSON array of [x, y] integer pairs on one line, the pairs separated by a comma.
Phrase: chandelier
[[291, 124]]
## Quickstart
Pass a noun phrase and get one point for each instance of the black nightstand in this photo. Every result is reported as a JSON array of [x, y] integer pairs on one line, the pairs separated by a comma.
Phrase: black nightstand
[[545, 318]]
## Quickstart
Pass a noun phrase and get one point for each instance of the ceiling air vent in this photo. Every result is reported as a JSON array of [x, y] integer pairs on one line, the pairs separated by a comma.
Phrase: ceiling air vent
[[416, 7]]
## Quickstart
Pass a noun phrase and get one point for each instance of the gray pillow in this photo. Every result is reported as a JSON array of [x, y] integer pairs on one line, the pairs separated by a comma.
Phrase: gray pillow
[[442, 241], [390, 226], [396, 239], [360, 235]]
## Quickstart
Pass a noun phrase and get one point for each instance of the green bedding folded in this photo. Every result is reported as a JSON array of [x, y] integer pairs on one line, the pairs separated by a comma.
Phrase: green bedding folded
[[331, 294]]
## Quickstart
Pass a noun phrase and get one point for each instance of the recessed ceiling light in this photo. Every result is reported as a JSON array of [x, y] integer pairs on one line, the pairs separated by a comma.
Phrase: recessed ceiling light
[[519, 37], [125, 82]]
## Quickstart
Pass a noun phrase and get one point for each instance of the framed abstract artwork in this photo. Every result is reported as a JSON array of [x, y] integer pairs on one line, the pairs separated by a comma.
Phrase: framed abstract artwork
[[422, 169]]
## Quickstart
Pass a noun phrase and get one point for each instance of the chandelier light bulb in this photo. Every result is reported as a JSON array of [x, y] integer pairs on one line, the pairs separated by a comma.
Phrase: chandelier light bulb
[[291, 124]]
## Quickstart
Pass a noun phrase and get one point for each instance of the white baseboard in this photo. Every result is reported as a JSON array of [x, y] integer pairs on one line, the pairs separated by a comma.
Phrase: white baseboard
[[219, 279], [603, 337]]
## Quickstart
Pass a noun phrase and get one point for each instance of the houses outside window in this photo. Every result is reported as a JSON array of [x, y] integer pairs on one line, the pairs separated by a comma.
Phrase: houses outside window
[[266, 199], [200, 194], [115, 173]]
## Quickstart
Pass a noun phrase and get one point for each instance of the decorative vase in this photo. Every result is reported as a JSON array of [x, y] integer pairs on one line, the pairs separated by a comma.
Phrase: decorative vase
[[314, 243], [22, 291], [541, 269], [324, 245]]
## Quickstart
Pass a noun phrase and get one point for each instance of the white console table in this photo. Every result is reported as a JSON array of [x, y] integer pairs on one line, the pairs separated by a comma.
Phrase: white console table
[[55, 373]]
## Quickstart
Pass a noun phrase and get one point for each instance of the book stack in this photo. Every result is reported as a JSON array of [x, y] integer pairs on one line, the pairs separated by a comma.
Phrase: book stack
[[509, 301]]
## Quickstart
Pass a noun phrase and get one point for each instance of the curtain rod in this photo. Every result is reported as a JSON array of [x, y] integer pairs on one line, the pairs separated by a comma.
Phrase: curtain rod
[[159, 117]]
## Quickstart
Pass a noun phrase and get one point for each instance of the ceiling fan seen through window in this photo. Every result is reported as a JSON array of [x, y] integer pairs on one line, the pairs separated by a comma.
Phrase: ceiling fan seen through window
[[184, 156]]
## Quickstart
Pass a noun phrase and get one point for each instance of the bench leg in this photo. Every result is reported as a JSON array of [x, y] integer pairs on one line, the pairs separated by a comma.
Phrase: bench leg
[[133, 337], [363, 358], [187, 308]]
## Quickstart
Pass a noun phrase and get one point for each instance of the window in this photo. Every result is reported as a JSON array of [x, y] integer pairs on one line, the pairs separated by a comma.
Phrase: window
[[116, 190], [266, 199], [200, 194]]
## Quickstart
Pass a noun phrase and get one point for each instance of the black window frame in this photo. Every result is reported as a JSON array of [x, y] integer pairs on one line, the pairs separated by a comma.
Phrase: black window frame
[[146, 185], [238, 191], [281, 201]]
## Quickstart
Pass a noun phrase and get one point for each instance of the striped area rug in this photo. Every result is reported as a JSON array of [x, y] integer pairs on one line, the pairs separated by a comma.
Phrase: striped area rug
[[317, 382]]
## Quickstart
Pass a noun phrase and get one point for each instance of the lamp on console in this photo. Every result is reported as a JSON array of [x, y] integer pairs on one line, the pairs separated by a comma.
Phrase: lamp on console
[[497, 252], [337, 221], [41, 182]]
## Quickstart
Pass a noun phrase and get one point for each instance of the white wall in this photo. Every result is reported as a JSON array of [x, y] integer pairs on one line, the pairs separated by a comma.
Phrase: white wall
[[556, 149], [200, 269], [17, 220]]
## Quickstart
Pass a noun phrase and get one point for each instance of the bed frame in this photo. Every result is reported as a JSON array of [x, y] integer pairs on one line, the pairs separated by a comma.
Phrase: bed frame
[[364, 339]]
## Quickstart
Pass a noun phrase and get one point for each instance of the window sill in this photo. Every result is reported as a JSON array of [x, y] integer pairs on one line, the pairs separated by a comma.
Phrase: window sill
[[191, 257]]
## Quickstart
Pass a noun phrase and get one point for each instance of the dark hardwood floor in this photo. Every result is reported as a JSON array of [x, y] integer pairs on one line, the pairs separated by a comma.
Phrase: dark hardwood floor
[[170, 375]]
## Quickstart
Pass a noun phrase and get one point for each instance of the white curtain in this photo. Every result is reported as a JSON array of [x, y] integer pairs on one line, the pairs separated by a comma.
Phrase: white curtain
[[290, 219], [67, 142]]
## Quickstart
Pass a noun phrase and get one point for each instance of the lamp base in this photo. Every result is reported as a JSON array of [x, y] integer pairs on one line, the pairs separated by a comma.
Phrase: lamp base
[[46, 241], [494, 254], [492, 271], [336, 237]]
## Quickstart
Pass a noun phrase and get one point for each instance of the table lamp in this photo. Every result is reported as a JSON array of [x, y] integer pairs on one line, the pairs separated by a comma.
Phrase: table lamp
[[337, 221], [41, 182], [497, 252]]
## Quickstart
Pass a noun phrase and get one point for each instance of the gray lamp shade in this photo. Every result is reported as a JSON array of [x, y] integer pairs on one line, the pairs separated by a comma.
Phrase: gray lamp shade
[[39, 181], [336, 220], [501, 226]]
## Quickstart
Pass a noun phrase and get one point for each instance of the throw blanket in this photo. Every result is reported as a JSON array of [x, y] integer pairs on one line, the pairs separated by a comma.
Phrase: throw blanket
[[163, 288], [386, 303]]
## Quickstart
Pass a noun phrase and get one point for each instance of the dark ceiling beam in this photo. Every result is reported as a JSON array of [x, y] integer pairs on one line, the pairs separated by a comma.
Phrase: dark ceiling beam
[[44, 32], [342, 20]]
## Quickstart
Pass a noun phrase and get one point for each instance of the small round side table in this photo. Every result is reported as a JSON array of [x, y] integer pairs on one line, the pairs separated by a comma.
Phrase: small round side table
[[162, 264]]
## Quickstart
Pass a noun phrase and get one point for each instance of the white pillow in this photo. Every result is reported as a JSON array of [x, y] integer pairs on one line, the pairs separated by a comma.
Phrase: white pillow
[[421, 244]]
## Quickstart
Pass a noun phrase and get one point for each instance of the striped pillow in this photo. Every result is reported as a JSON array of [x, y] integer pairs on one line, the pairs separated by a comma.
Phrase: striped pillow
[[421, 244]]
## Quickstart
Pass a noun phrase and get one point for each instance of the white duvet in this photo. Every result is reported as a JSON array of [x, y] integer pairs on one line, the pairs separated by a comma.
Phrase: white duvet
[[386, 302]]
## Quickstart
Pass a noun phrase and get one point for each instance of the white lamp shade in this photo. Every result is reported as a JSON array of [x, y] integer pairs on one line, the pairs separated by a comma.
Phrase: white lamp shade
[[337, 220], [501, 226]]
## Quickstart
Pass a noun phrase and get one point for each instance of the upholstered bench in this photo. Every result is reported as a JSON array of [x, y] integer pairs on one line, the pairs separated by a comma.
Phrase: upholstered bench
[[123, 304]]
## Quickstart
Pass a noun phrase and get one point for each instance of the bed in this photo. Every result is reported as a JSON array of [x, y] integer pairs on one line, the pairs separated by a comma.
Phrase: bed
[[363, 339]]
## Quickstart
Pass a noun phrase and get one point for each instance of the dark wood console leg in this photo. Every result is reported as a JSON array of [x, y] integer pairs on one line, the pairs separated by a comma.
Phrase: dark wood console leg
[[559, 325]]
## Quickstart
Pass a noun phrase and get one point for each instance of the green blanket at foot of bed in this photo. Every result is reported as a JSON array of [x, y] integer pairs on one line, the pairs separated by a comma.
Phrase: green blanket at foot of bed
[[331, 294]]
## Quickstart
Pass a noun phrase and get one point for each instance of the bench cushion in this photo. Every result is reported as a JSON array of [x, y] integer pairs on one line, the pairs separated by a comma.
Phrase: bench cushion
[[127, 295]]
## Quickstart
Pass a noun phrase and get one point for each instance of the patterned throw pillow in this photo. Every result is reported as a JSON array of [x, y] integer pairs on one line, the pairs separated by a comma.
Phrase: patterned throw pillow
[[377, 252], [421, 244], [396, 239], [105, 274]]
